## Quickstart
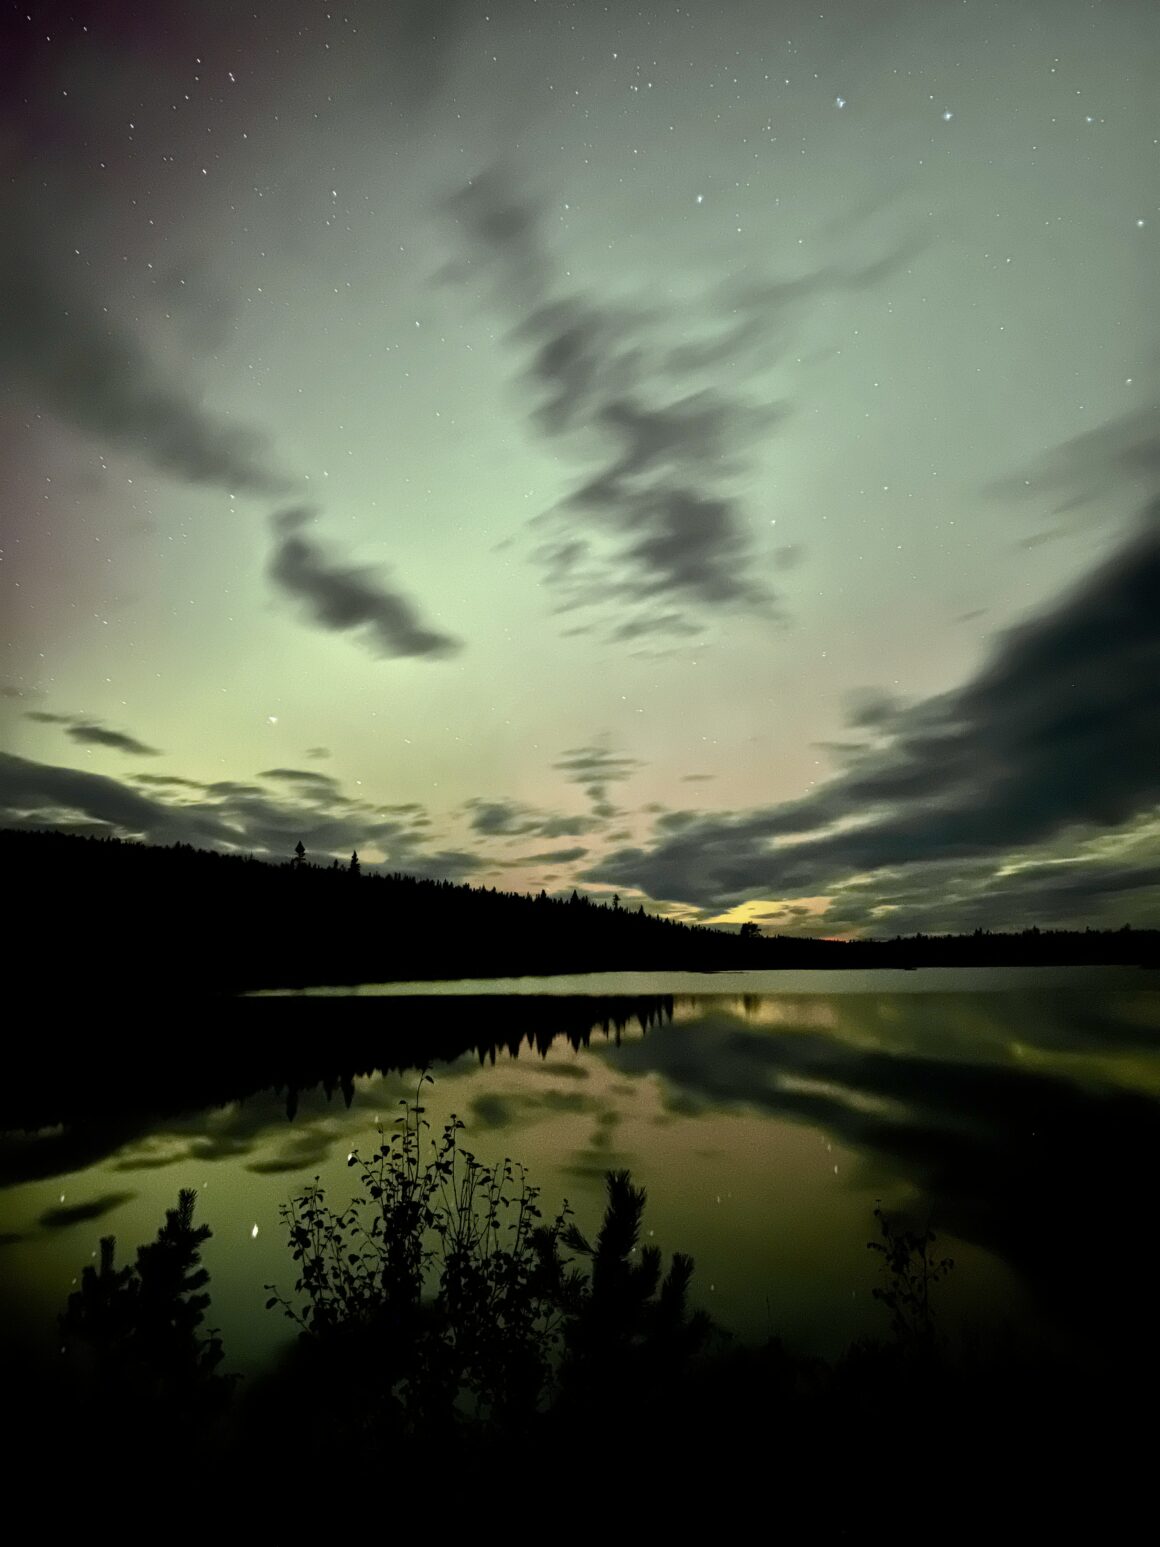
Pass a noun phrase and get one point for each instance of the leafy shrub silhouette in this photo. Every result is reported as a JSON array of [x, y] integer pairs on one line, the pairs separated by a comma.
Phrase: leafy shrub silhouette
[[911, 1272], [444, 1288], [430, 1216]]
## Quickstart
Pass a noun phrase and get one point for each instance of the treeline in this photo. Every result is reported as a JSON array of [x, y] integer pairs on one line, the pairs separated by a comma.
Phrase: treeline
[[101, 910]]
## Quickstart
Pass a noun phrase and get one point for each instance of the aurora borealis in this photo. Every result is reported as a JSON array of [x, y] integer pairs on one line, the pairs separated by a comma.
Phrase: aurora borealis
[[706, 452]]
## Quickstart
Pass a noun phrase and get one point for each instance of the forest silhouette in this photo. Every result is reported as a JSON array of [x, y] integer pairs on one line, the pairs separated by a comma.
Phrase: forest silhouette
[[195, 922]]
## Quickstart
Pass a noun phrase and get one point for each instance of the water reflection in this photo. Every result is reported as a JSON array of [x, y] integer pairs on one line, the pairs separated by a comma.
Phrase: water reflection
[[765, 1126]]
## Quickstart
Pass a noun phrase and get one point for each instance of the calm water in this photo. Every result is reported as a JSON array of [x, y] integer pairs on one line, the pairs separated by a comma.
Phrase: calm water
[[765, 1113]]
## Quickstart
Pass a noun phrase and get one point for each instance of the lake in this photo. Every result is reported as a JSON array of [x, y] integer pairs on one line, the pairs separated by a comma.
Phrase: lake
[[1018, 1111]]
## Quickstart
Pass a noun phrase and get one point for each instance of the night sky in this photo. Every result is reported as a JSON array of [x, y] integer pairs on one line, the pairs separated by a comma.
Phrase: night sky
[[708, 452]]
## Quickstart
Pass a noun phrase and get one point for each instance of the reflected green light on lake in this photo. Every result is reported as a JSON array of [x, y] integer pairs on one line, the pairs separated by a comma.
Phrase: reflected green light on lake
[[765, 1114]]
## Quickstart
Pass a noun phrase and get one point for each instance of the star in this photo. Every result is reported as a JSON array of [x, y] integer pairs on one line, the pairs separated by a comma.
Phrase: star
[[839, 102]]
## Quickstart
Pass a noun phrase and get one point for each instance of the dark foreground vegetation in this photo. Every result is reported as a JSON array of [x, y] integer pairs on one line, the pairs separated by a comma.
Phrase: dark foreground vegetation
[[461, 1357], [91, 910]]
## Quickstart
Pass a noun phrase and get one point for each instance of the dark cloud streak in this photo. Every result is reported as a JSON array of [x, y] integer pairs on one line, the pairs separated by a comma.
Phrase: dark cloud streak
[[228, 815], [91, 733], [346, 599], [96, 376], [1058, 730], [663, 493], [658, 494]]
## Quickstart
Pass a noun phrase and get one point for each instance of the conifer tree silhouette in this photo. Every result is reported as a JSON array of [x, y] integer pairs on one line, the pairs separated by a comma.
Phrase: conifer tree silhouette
[[140, 1323], [634, 1325]]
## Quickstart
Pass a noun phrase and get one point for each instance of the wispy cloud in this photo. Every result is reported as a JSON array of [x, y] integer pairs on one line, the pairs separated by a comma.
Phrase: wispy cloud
[[305, 781], [227, 814], [658, 519], [594, 768], [94, 374], [1056, 733], [92, 733], [550, 857], [344, 599], [513, 819], [1122, 453]]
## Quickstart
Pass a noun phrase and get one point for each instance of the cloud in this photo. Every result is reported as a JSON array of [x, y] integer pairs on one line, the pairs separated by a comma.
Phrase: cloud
[[306, 781], [594, 768], [440, 865], [1122, 453], [1041, 539], [97, 377], [872, 709], [1065, 884], [411, 46], [94, 374], [652, 623], [494, 1110], [659, 517], [62, 1215], [348, 599], [92, 733], [1057, 732], [788, 556], [308, 1149], [174, 781], [29, 789], [597, 762], [564, 826], [500, 818], [551, 857], [202, 304], [511, 819], [101, 736], [227, 814]]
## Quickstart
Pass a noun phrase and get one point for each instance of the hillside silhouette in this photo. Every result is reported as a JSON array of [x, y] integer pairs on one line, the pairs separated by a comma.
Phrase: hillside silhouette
[[90, 911]]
